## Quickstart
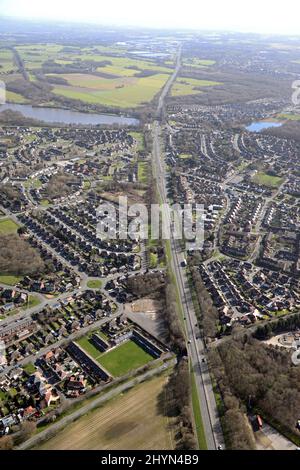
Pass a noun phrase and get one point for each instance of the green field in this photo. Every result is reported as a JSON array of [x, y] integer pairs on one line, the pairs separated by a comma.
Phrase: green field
[[289, 117], [143, 172], [29, 368], [8, 226], [105, 77], [120, 360], [10, 280], [12, 97], [94, 284], [7, 63], [138, 136], [267, 180], [124, 358], [194, 62], [124, 92], [190, 86], [89, 348]]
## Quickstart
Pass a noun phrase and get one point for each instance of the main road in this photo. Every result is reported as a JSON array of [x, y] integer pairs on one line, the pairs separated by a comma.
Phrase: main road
[[196, 346]]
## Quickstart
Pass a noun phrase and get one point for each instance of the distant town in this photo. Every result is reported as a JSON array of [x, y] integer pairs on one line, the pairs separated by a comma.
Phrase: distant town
[[191, 349]]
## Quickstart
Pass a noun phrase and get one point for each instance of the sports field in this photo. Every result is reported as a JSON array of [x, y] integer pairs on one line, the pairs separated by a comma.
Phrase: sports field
[[120, 360], [124, 358], [131, 421]]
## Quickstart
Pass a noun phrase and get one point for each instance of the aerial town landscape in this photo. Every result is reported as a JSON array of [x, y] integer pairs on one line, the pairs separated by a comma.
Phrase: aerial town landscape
[[134, 343]]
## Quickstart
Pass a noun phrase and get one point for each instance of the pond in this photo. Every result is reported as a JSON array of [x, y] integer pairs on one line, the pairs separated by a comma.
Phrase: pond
[[261, 125], [65, 116]]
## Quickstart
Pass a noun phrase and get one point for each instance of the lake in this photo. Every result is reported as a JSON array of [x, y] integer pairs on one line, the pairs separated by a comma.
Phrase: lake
[[261, 125], [65, 116]]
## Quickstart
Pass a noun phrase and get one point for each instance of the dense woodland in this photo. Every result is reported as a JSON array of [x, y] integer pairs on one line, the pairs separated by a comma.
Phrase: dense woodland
[[254, 377], [18, 258]]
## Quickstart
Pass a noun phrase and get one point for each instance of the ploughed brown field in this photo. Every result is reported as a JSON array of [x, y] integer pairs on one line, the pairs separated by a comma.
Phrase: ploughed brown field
[[130, 421]]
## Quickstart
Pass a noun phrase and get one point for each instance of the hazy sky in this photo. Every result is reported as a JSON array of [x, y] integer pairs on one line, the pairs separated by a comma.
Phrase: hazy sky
[[266, 16]]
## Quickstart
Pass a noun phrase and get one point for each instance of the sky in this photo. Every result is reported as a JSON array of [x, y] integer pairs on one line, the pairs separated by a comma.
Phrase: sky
[[258, 16]]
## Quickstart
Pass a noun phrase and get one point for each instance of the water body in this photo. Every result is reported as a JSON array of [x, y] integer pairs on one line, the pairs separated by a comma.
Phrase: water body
[[261, 125], [65, 116]]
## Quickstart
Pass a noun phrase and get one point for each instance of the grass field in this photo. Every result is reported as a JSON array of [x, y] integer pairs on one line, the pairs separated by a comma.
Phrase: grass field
[[10, 280], [267, 180], [8, 226], [289, 117], [131, 421], [138, 136], [7, 61], [119, 84], [94, 284], [190, 86], [194, 62], [143, 172], [89, 347], [124, 92], [12, 97], [124, 358]]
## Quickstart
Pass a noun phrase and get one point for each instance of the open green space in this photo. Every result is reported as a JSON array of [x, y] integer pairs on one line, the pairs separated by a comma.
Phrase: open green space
[[143, 172], [194, 62], [267, 180], [16, 98], [94, 284], [29, 368], [85, 343], [33, 301], [138, 136], [7, 63], [124, 358], [190, 86], [124, 92], [8, 226], [289, 117], [10, 280]]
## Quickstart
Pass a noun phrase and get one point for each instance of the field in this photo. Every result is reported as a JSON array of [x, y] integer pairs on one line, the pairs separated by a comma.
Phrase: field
[[289, 117], [94, 284], [8, 226], [123, 92], [194, 62], [105, 75], [120, 360], [267, 180], [143, 172], [124, 358], [190, 86], [12, 97], [89, 348], [131, 421], [10, 280], [7, 61]]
